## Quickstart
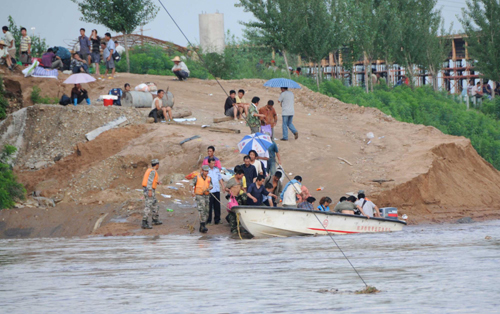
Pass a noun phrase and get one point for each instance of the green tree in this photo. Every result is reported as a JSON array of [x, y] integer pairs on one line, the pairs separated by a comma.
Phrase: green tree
[[314, 31], [38, 44], [387, 29], [122, 16], [436, 47], [481, 23], [413, 33], [10, 189], [273, 26], [364, 27]]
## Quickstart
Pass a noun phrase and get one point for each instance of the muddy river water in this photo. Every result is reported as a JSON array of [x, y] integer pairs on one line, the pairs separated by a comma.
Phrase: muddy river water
[[423, 269]]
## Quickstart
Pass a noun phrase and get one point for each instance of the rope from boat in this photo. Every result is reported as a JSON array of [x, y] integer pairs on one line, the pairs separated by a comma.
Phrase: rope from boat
[[238, 224], [237, 218], [329, 234]]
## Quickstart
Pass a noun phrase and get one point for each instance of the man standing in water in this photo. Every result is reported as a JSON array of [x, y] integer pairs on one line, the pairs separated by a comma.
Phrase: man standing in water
[[202, 184], [149, 183], [286, 100]]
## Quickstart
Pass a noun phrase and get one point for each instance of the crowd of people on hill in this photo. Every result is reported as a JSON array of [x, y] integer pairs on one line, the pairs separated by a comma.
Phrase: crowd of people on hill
[[89, 51], [262, 119], [479, 90]]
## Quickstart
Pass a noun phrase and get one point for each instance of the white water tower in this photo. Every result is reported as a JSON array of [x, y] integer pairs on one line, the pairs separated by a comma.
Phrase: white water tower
[[212, 37]]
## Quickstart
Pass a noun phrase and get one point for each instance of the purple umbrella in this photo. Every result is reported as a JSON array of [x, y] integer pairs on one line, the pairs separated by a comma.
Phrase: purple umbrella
[[79, 78]]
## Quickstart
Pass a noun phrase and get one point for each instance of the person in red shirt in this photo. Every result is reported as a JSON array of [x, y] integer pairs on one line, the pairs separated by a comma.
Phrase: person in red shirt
[[270, 117], [211, 154]]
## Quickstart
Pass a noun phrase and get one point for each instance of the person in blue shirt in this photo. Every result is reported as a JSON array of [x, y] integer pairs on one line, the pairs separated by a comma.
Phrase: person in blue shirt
[[308, 203], [256, 191], [324, 204], [273, 156], [218, 185]]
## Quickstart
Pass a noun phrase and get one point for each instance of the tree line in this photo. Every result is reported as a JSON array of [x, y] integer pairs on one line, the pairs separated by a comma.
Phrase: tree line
[[410, 33]]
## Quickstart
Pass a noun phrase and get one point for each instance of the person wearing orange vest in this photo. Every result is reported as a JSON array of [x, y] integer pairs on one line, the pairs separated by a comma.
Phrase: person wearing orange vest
[[202, 184], [149, 183]]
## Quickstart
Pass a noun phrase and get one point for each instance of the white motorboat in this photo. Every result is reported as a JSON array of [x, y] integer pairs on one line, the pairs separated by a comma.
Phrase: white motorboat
[[265, 222]]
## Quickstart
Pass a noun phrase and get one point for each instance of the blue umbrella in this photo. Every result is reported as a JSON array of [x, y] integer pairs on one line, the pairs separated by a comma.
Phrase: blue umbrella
[[282, 82], [257, 141]]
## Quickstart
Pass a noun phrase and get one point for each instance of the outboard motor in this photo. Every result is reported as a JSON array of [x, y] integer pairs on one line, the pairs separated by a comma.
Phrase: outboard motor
[[389, 213]]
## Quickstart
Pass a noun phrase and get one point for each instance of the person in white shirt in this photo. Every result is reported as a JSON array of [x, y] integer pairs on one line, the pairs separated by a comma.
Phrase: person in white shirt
[[367, 206], [10, 42], [477, 91], [158, 109], [4, 55], [120, 49], [180, 69], [290, 192]]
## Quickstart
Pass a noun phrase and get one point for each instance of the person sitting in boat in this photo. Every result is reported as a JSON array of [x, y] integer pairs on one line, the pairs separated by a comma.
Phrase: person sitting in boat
[[348, 207], [363, 192], [256, 190], [308, 204], [342, 199], [291, 192], [268, 200], [367, 206], [275, 181], [324, 204]]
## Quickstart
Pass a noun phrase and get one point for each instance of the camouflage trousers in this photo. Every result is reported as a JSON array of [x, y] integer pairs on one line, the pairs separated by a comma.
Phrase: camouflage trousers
[[202, 202], [233, 223], [151, 205], [231, 217]]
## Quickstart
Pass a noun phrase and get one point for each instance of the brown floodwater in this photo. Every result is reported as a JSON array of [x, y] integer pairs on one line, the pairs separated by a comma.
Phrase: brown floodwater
[[423, 269]]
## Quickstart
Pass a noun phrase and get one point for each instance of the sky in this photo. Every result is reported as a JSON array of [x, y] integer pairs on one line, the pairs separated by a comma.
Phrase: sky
[[58, 21]]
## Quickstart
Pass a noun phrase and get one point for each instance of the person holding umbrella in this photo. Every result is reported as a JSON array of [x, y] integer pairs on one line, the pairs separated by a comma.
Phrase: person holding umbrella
[[78, 94], [286, 101]]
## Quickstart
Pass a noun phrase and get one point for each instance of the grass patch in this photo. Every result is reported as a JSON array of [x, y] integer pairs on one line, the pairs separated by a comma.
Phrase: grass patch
[[37, 98]]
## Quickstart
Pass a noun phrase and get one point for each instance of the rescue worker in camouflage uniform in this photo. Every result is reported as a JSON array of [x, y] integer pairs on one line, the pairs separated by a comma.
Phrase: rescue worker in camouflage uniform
[[202, 184], [149, 183]]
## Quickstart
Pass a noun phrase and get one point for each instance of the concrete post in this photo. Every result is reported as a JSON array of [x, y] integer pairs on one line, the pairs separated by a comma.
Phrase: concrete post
[[212, 36]]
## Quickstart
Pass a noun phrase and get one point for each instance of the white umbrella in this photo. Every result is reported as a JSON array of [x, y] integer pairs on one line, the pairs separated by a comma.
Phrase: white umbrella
[[79, 78]]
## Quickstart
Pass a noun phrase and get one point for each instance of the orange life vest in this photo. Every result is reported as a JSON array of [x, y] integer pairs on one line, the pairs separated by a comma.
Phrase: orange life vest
[[146, 177], [202, 185]]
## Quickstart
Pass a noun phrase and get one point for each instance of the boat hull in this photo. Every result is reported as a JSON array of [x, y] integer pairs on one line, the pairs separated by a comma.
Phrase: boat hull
[[265, 222]]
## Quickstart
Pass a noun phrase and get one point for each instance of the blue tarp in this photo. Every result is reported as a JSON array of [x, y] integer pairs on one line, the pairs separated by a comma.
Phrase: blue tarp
[[62, 52]]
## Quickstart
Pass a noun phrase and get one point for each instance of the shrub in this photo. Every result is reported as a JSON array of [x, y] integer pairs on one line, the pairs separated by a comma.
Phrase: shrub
[[3, 101], [10, 189]]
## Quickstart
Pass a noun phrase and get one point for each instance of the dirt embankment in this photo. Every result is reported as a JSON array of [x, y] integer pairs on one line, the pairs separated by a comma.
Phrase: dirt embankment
[[429, 176]]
